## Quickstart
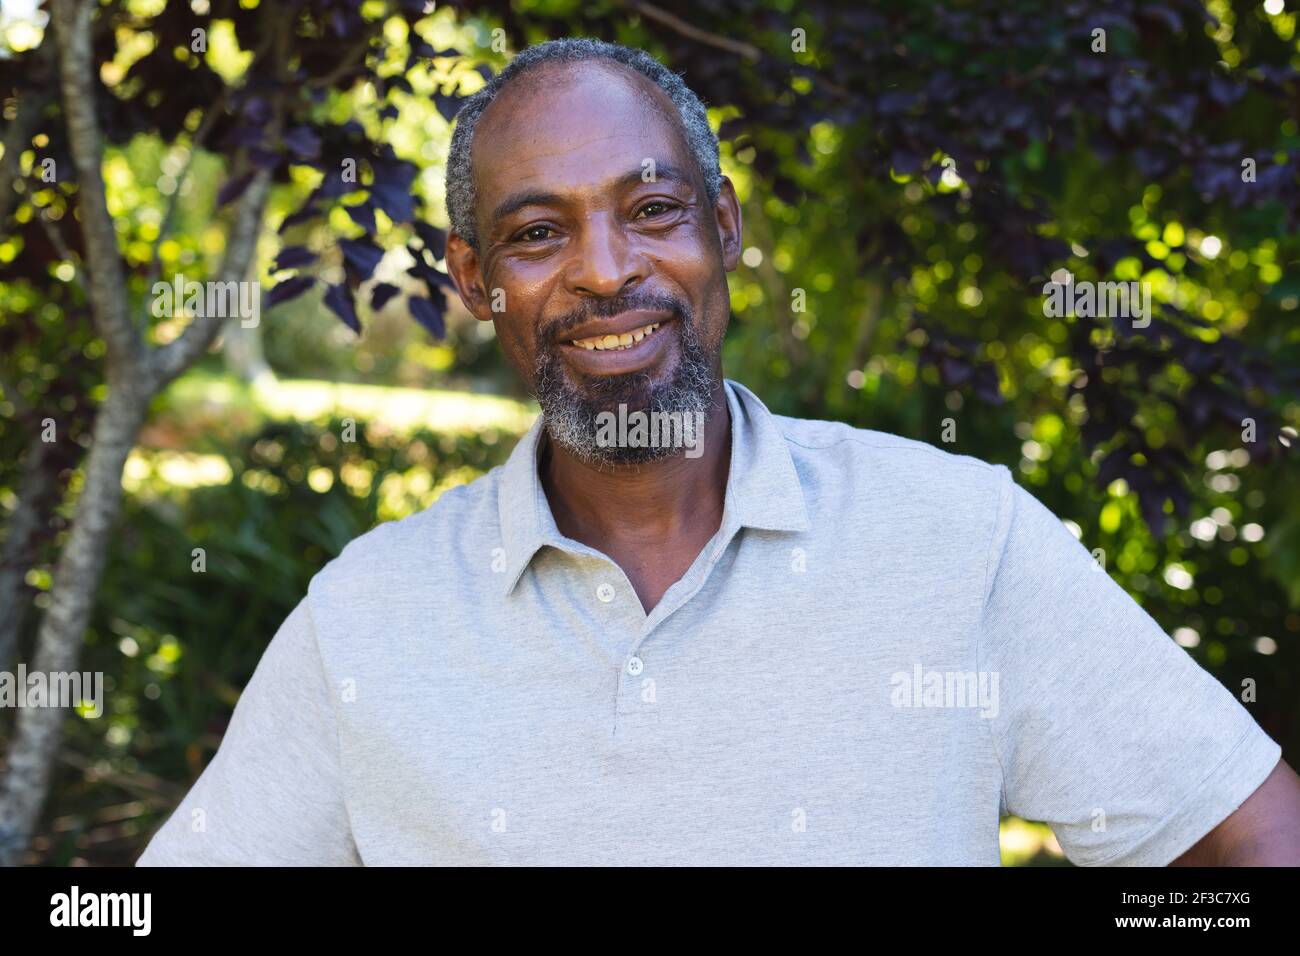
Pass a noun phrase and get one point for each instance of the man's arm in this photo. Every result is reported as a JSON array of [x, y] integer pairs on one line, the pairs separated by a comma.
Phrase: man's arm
[[273, 793], [1263, 831], [1107, 730]]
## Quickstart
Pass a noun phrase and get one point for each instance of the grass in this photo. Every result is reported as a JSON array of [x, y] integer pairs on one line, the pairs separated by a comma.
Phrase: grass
[[207, 412]]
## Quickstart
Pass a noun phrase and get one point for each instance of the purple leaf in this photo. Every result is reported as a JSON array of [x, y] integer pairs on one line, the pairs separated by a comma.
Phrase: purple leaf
[[448, 106], [434, 239], [308, 211], [361, 256], [428, 315], [233, 189], [422, 269], [290, 288], [333, 186], [257, 110], [339, 301], [243, 135], [894, 102], [302, 142], [294, 257], [263, 158], [363, 215], [381, 294], [393, 200], [391, 171]]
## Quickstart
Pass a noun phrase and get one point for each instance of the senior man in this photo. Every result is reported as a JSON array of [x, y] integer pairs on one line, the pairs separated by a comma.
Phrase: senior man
[[752, 640]]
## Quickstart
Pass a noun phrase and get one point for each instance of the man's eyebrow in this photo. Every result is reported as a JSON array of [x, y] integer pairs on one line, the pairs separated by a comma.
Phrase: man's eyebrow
[[669, 172]]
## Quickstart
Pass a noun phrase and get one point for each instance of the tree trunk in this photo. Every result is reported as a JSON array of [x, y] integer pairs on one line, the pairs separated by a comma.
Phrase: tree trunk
[[135, 373], [242, 349], [58, 643]]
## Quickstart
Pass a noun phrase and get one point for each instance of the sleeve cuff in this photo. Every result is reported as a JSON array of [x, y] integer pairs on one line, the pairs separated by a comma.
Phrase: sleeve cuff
[[1227, 786]]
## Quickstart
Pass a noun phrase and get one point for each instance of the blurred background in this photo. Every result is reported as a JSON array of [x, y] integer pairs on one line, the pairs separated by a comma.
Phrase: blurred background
[[912, 174]]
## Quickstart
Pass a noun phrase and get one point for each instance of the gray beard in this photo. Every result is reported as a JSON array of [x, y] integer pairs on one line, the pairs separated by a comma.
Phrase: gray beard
[[570, 417]]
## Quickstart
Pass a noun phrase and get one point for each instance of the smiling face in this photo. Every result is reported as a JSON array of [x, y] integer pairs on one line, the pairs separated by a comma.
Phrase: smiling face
[[602, 263]]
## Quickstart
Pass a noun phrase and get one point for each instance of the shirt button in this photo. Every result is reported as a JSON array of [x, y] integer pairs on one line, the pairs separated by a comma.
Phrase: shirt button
[[605, 592], [635, 665]]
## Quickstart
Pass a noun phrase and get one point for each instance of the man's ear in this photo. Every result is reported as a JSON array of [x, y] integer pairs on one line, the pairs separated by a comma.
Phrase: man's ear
[[727, 213], [463, 268]]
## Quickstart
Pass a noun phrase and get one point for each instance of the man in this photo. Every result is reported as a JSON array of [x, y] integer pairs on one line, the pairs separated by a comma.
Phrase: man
[[678, 629]]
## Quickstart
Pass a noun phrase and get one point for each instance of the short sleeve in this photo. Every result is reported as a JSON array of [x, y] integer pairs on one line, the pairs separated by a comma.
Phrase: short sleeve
[[272, 795], [1106, 729]]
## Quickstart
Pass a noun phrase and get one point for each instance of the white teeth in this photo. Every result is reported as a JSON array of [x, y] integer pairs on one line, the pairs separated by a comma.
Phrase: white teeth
[[602, 343]]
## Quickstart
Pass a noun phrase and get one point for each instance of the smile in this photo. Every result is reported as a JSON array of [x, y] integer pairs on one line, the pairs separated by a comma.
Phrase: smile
[[601, 343]]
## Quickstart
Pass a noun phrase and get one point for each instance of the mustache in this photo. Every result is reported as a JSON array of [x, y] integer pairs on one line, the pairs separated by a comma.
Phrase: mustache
[[608, 308]]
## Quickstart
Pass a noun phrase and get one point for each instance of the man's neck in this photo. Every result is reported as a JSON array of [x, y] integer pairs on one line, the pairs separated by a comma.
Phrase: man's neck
[[652, 518]]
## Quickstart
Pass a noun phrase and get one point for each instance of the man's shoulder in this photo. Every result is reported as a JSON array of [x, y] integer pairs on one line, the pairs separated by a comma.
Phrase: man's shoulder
[[432, 539], [882, 457]]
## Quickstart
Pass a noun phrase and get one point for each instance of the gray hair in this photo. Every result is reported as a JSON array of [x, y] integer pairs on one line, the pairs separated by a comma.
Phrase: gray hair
[[695, 122]]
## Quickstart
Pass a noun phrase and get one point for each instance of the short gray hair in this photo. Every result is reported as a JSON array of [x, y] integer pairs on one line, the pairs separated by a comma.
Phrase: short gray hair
[[695, 121]]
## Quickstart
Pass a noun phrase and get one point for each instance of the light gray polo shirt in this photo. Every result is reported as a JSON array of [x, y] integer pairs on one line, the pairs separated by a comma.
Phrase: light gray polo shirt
[[883, 647]]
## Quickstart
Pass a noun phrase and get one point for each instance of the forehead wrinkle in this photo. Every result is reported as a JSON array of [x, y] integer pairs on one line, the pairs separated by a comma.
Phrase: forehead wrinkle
[[555, 153]]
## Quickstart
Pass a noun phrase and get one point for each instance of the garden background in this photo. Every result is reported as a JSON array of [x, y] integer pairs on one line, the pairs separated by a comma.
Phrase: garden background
[[912, 175]]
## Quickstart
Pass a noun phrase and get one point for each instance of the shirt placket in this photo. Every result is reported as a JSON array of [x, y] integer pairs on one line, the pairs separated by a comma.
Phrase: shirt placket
[[637, 699], [621, 612]]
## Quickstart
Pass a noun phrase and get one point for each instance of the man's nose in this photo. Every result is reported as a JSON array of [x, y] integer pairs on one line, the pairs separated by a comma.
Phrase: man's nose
[[605, 261]]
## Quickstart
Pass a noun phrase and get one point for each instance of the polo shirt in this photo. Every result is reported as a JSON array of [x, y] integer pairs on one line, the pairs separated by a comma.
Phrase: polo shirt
[[884, 647]]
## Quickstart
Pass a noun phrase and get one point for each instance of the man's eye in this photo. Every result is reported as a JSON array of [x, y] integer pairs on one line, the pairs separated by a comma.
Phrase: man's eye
[[528, 234], [649, 207]]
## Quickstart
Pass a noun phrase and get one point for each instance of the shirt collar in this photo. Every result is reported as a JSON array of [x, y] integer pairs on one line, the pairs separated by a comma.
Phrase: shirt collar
[[763, 487]]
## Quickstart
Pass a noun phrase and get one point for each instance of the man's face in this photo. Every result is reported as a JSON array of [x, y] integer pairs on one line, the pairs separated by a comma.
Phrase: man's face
[[601, 262]]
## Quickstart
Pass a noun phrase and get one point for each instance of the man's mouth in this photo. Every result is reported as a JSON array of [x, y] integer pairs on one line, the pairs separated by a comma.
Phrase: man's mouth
[[619, 345], [625, 340]]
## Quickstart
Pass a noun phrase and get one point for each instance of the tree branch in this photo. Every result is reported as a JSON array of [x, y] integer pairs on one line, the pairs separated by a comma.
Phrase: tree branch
[[678, 25], [196, 143], [71, 21], [355, 57], [241, 241], [241, 244]]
